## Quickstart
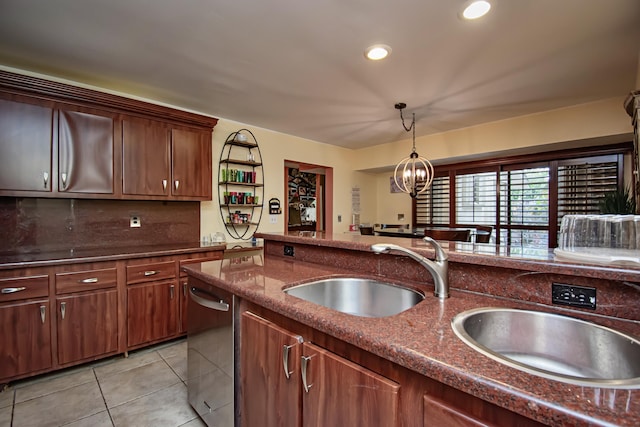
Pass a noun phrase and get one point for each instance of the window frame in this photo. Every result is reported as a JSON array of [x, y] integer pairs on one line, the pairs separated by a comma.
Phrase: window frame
[[551, 159]]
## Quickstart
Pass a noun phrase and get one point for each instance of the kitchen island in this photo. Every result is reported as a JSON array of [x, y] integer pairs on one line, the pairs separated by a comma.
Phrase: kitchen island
[[420, 340]]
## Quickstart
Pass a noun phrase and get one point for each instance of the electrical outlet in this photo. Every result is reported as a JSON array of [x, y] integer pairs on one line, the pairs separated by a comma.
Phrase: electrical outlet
[[574, 296], [273, 219], [288, 250], [134, 221], [339, 218]]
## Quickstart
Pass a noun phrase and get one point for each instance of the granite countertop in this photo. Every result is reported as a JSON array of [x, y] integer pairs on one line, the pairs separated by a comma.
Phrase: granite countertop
[[421, 339], [47, 257]]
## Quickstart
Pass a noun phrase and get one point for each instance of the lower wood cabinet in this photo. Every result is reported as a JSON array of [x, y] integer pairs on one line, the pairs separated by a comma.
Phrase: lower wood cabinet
[[152, 312], [289, 383], [87, 325], [270, 380], [25, 339]]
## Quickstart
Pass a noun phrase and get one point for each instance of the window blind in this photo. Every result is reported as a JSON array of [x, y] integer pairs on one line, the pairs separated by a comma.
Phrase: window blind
[[432, 207], [476, 199]]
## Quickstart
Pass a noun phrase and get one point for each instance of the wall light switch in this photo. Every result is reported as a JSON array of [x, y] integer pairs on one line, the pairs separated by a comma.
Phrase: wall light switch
[[134, 221], [339, 218]]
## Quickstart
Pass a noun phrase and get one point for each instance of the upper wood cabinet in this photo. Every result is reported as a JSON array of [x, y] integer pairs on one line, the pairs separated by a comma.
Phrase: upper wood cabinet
[[165, 162], [26, 132], [58, 140], [191, 163], [146, 158]]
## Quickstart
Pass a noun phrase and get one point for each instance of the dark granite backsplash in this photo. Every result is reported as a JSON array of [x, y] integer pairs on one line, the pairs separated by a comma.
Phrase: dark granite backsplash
[[36, 224]]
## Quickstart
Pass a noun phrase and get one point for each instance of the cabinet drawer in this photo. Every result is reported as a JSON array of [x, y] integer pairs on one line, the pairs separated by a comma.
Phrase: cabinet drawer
[[17, 288], [151, 272], [79, 281]]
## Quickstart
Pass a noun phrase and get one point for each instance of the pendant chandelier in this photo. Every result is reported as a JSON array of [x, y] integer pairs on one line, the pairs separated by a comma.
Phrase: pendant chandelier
[[414, 174]]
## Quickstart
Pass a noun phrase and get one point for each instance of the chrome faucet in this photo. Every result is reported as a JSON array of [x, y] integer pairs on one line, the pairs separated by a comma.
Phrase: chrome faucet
[[439, 268]]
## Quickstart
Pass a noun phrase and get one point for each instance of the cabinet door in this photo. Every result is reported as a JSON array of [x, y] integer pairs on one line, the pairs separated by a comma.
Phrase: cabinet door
[[25, 339], [87, 325], [85, 153], [270, 397], [25, 146], [342, 393], [152, 312], [146, 158], [191, 163]]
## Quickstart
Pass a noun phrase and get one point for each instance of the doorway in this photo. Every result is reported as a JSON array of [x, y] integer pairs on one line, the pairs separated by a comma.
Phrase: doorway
[[308, 197]]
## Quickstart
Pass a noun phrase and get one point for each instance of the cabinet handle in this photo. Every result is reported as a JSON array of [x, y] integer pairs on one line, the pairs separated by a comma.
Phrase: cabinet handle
[[64, 180], [164, 184], [46, 179], [89, 280], [172, 290], [43, 313], [63, 309], [176, 184], [12, 290], [150, 273], [285, 360], [303, 369]]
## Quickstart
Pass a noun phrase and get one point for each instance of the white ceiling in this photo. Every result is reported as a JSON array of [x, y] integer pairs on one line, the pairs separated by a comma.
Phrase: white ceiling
[[297, 66]]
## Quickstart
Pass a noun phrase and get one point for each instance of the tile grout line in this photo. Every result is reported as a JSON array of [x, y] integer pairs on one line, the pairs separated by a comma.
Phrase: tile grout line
[[103, 398]]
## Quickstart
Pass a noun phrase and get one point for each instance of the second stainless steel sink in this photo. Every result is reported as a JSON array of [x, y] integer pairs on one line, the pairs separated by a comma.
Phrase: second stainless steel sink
[[553, 346], [358, 296]]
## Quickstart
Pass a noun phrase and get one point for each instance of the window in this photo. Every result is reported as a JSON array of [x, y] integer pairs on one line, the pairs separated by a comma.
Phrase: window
[[432, 207], [524, 211], [476, 198], [524, 202]]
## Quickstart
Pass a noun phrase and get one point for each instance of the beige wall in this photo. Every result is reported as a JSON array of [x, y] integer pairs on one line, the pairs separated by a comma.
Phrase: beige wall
[[277, 147]]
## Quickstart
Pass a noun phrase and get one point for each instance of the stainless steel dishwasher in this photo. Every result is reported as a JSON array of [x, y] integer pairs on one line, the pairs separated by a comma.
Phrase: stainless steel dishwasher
[[210, 356]]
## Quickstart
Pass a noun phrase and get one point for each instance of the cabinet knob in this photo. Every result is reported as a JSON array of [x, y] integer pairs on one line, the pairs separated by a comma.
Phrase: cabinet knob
[[89, 280], [64, 180], [43, 313], [45, 175], [176, 184], [164, 184], [63, 309], [172, 291], [150, 273]]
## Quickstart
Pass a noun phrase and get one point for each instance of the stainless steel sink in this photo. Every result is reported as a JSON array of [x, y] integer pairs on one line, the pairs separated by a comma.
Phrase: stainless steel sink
[[553, 346], [359, 297]]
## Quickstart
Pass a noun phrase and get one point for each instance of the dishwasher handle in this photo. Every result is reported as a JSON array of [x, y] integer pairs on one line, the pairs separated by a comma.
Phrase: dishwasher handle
[[219, 305]]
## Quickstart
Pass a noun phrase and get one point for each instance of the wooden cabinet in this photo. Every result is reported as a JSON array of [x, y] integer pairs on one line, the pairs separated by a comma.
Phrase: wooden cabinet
[[191, 163], [87, 326], [152, 302], [55, 151], [58, 140], [146, 158], [86, 312], [270, 396], [25, 316], [332, 389], [26, 132], [159, 160]]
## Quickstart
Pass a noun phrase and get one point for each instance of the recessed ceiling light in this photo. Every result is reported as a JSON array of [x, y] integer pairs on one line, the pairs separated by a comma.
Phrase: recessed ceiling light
[[377, 52], [476, 9]]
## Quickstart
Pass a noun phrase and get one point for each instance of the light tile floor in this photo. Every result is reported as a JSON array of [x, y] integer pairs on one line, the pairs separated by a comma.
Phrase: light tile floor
[[145, 389]]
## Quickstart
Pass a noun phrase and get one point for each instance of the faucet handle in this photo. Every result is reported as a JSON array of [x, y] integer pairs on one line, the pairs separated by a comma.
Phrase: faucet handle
[[440, 253]]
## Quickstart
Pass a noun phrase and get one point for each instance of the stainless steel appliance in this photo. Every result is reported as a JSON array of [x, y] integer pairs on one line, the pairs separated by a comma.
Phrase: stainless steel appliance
[[210, 357]]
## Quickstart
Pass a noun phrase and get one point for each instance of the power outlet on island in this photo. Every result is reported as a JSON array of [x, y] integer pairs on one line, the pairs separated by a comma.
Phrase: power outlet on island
[[288, 250], [574, 296]]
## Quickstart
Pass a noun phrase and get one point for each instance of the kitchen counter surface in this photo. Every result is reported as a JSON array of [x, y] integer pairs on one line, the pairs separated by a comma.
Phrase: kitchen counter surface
[[51, 257], [421, 338]]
